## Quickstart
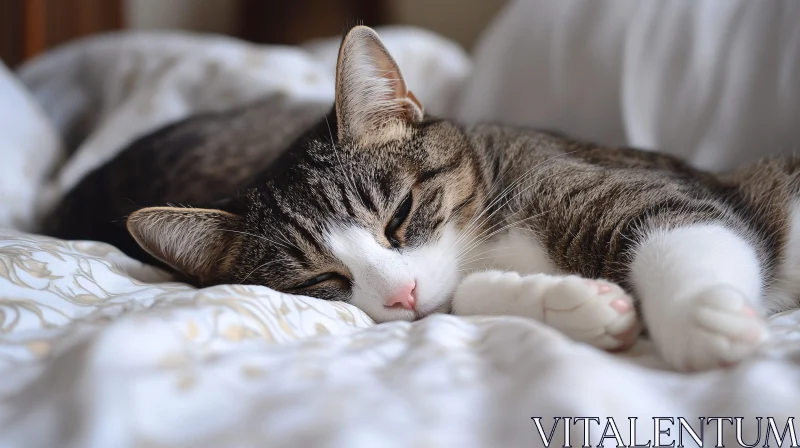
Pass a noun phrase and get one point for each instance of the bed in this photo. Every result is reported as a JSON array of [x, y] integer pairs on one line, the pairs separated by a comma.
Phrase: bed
[[98, 349]]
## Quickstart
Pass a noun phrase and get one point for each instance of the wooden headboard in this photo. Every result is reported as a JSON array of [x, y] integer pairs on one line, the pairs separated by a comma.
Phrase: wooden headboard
[[28, 27], [295, 21]]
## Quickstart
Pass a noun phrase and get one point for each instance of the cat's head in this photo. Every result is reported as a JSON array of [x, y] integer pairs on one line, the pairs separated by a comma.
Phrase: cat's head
[[372, 208]]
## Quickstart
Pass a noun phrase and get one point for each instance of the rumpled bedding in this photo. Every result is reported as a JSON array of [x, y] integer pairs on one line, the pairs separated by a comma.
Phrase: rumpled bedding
[[99, 350]]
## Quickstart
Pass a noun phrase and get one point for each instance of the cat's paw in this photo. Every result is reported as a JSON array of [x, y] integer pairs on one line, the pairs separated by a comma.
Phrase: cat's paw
[[494, 293], [597, 312], [592, 311], [719, 329]]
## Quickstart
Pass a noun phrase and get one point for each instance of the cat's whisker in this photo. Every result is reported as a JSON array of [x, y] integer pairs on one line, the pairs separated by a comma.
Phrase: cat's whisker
[[475, 260], [517, 181], [474, 224], [257, 268], [479, 237], [488, 250], [504, 249], [479, 259], [508, 189], [285, 238], [522, 178], [255, 236], [522, 191], [488, 237], [474, 221]]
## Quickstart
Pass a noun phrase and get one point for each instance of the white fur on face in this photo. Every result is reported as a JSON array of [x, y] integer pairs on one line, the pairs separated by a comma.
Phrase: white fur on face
[[377, 272]]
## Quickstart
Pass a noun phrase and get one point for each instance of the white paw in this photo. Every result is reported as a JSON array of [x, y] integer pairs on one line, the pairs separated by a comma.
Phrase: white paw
[[719, 328], [597, 312], [495, 293], [593, 311]]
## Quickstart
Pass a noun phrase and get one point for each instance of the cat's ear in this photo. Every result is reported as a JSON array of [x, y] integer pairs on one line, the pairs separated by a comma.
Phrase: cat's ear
[[373, 102], [200, 243]]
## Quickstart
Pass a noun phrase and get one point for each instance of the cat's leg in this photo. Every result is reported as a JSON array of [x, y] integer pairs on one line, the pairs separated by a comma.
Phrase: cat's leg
[[593, 311], [700, 288]]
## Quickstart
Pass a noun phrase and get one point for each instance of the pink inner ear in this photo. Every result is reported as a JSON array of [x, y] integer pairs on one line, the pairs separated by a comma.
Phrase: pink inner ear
[[391, 72], [388, 70], [420, 111], [370, 90]]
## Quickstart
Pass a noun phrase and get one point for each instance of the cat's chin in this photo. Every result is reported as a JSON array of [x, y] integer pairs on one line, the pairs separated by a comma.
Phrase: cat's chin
[[443, 308], [411, 316]]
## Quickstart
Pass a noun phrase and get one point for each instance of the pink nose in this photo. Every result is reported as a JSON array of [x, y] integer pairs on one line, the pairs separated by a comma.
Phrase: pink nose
[[405, 297]]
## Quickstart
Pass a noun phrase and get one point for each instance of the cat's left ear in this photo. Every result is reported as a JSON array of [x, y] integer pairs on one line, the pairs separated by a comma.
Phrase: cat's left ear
[[373, 103], [200, 243]]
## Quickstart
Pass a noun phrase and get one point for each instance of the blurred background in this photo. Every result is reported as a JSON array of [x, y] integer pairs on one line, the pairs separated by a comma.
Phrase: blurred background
[[29, 27], [712, 81]]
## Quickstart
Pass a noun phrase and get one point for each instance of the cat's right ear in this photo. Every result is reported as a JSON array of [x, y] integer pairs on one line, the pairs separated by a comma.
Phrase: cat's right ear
[[200, 243], [373, 102]]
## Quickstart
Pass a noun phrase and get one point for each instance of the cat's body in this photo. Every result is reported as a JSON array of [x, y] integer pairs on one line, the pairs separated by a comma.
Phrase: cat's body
[[390, 210], [204, 161]]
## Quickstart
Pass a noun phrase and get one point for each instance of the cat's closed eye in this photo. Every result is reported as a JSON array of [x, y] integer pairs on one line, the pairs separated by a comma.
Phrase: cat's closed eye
[[319, 279], [400, 216]]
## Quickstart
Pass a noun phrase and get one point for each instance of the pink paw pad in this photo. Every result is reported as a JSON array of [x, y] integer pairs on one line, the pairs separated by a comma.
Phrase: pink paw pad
[[621, 305], [602, 288]]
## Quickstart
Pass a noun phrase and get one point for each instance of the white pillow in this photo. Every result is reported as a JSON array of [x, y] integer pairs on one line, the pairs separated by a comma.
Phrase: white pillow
[[714, 81], [29, 147]]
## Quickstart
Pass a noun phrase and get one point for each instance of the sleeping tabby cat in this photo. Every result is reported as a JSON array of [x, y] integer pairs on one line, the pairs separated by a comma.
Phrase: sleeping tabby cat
[[404, 215]]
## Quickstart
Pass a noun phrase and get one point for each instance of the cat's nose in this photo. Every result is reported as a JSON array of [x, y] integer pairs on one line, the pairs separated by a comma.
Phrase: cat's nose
[[405, 297]]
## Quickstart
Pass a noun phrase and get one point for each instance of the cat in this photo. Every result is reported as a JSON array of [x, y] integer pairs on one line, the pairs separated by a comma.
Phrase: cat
[[403, 215]]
